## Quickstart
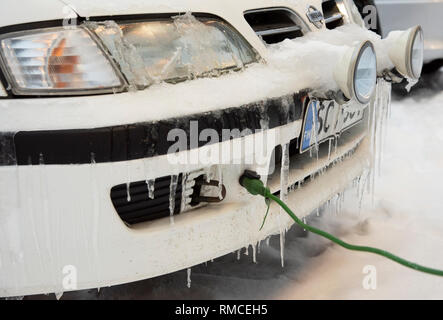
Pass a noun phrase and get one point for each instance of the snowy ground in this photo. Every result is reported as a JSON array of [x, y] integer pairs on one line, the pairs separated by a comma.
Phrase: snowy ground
[[406, 219]]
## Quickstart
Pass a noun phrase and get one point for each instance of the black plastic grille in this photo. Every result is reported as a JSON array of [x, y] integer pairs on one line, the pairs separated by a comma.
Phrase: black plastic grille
[[332, 15], [140, 207], [274, 25]]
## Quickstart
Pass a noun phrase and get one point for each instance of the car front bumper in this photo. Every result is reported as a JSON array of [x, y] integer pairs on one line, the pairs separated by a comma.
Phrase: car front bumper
[[58, 222]]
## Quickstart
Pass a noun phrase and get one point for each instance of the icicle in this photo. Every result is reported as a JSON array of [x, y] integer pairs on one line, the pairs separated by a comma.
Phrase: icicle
[[314, 128], [128, 192], [184, 196], [58, 295], [267, 241], [238, 254], [329, 149], [150, 184], [41, 159], [254, 254], [128, 185], [282, 249], [336, 145], [207, 174], [189, 277], [220, 182], [284, 181], [380, 112], [411, 83], [264, 121], [172, 192]]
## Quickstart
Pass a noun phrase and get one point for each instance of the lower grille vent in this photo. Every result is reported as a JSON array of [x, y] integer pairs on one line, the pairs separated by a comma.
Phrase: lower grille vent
[[133, 204]]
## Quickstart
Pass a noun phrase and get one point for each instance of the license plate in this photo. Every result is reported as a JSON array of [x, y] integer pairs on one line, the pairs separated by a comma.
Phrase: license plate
[[326, 119]]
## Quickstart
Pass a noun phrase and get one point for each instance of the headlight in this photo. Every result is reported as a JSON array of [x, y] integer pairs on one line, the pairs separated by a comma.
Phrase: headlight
[[356, 73], [56, 61], [407, 52], [176, 49]]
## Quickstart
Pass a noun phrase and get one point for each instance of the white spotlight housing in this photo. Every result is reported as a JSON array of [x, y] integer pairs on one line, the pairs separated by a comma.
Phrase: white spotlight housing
[[406, 53], [356, 72]]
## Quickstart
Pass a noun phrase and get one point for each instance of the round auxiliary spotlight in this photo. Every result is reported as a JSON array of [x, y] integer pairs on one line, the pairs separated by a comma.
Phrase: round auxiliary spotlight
[[356, 73], [407, 53]]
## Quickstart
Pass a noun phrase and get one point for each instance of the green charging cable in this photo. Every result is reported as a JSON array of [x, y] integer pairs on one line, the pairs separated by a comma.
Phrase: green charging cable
[[251, 182]]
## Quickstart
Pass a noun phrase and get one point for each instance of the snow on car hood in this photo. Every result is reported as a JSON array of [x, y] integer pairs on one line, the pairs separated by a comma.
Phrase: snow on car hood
[[88, 8], [25, 11]]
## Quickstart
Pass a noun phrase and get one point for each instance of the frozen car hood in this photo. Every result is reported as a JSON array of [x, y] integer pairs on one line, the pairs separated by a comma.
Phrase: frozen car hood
[[229, 10], [26, 11], [88, 8]]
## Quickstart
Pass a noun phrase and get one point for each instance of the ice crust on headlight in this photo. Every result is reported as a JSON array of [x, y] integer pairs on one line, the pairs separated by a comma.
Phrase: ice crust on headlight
[[366, 74], [174, 50], [417, 54], [124, 53], [57, 59]]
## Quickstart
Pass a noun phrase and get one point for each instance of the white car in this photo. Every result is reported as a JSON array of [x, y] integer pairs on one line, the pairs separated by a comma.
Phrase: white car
[[111, 112]]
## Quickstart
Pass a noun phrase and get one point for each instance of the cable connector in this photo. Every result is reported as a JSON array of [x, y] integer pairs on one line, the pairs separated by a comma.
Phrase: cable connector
[[250, 180]]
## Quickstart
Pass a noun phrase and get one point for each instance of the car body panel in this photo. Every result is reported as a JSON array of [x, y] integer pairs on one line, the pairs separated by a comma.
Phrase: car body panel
[[29, 11], [48, 234]]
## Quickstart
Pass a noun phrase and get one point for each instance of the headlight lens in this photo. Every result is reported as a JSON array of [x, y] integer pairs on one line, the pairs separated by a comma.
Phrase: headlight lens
[[406, 51], [177, 49], [365, 74], [57, 61], [356, 72], [417, 54], [107, 57]]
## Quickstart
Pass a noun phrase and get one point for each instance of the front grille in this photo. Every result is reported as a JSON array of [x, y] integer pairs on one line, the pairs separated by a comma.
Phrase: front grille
[[133, 204], [274, 25], [332, 14], [305, 165]]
